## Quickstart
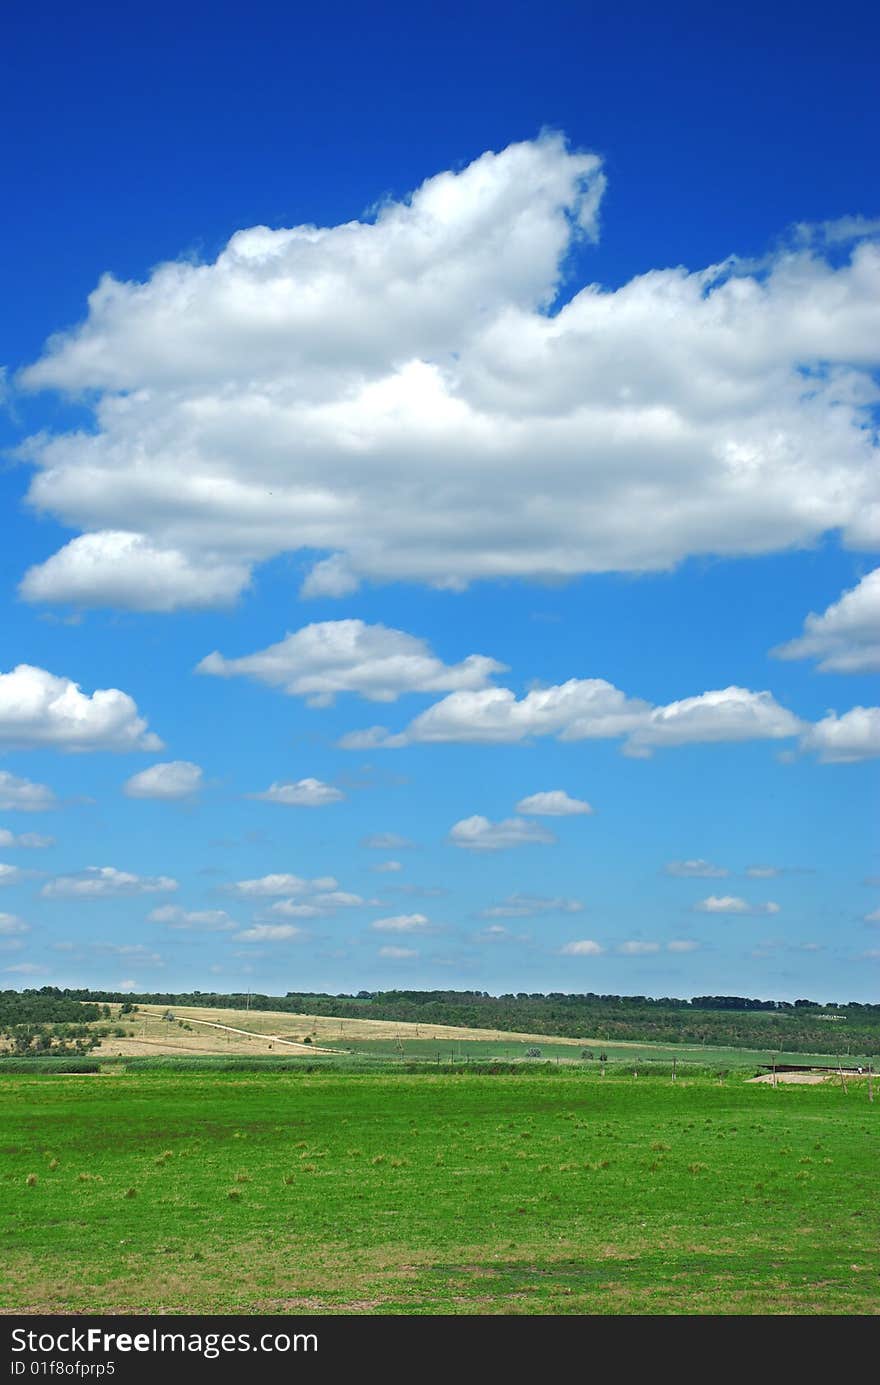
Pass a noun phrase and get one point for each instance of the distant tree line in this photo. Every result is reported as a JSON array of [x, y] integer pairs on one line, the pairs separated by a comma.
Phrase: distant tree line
[[34, 1023], [804, 1026]]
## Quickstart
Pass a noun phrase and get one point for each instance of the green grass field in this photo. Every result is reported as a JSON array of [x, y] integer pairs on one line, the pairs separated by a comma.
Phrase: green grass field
[[397, 1193]]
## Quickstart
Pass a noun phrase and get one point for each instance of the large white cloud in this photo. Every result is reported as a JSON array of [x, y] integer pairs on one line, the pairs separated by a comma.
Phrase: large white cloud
[[336, 656], [383, 396], [845, 739], [39, 709], [23, 795], [590, 709], [170, 782], [846, 638], [105, 882], [11, 875], [479, 834]]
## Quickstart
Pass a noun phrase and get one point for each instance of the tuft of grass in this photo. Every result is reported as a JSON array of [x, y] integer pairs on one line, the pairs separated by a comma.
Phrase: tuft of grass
[[53, 1164], [131, 1192], [378, 1159], [234, 1195], [31, 1180], [660, 1147], [696, 1168]]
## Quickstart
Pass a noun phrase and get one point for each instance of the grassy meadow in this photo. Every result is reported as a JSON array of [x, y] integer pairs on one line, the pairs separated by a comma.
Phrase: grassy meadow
[[549, 1191]]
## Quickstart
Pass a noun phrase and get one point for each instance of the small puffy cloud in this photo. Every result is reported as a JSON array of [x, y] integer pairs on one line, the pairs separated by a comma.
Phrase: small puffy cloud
[[401, 923], [271, 933], [634, 948], [26, 969], [338, 656], [387, 867], [174, 780], [763, 872], [696, 869], [38, 709], [11, 925], [683, 945], [846, 637], [398, 954], [119, 568], [732, 904], [23, 796], [192, 920], [304, 793], [553, 803], [847, 739], [873, 918], [584, 947], [521, 906], [105, 882], [267, 886], [32, 841], [479, 834], [317, 905], [11, 875], [385, 841]]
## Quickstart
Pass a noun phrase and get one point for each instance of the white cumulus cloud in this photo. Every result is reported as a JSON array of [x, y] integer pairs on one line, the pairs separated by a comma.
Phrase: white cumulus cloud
[[171, 781], [192, 920], [267, 886], [337, 656], [397, 954], [24, 796], [30, 841], [589, 709], [381, 395], [271, 933], [583, 947], [11, 875], [105, 882], [120, 568], [401, 923], [732, 904], [846, 638], [38, 709], [553, 803], [521, 906], [845, 739], [304, 793], [696, 868], [11, 926], [634, 948], [479, 834]]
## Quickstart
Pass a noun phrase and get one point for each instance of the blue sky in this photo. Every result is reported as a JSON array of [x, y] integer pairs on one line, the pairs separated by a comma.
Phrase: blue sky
[[440, 500]]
